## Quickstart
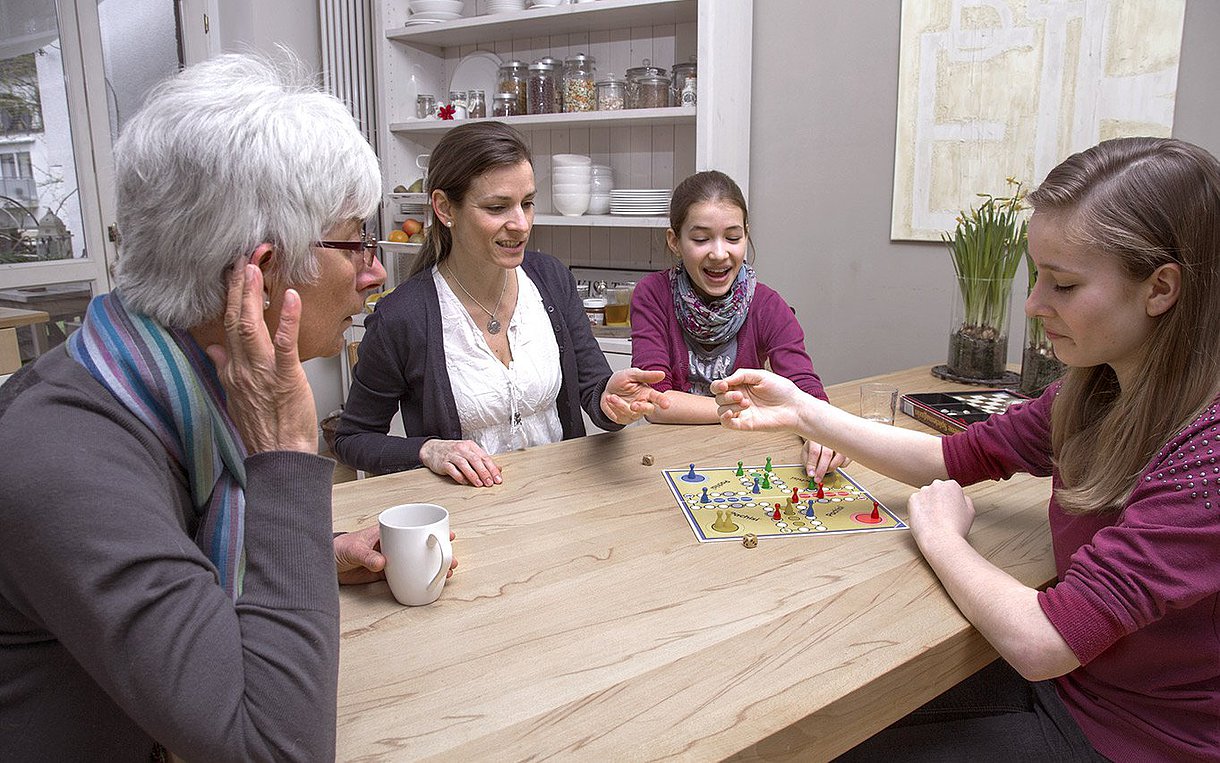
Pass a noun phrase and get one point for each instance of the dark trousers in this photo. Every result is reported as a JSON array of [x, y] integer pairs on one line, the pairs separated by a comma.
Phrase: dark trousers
[[994, 716]]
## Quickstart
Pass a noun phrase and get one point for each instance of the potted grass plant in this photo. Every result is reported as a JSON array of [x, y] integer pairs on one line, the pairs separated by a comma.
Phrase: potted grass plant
[[1039, 366], [986, 246]]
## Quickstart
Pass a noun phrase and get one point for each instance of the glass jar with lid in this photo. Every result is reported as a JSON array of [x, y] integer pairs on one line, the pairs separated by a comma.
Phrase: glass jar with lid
[[682, 72], [542, 94], [635, 75], [611, 94], [425, 106], [651, 92], [513, 78], [504, 105], [579, 93], [476, 104]]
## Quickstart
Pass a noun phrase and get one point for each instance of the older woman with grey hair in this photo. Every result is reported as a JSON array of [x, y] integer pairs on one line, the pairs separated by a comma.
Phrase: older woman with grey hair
[[167, 568]]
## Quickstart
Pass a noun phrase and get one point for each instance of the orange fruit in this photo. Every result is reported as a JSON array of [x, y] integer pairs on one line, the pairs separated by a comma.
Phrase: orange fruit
[[398, 237]]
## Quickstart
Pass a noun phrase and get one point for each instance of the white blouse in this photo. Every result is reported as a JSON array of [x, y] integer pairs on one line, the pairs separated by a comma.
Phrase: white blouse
[[503, 408]]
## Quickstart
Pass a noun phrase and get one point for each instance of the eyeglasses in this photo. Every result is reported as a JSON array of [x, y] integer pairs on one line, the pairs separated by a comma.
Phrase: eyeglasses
[[367, 246]]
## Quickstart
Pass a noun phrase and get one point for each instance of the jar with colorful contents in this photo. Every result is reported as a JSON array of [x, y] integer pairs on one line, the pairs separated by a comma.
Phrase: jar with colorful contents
[[611, 94], [513, 78], [542, 95], [595, 310], [579, 92]]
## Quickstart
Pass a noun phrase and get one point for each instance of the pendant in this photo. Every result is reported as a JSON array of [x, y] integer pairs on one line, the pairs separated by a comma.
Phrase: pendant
[[493, 326]]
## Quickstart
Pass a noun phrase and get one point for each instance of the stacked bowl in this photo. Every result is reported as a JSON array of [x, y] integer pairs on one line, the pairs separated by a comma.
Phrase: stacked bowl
[[502, 6], [600, 185], [571, 181]]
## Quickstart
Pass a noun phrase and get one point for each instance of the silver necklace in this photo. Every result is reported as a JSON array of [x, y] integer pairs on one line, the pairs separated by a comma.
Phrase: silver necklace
[[493, 325]]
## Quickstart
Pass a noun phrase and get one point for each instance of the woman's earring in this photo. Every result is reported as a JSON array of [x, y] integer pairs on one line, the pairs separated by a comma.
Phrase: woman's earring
[[266, 301], [448, 223]]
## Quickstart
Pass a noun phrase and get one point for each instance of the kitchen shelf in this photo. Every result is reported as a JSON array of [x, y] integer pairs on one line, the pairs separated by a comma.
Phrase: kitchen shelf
[[602, 221], [562, 19], [672, 115], [400, 246]]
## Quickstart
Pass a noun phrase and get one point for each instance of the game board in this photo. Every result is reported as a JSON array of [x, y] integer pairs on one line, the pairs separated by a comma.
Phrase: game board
[[731, 508], [950, 412]]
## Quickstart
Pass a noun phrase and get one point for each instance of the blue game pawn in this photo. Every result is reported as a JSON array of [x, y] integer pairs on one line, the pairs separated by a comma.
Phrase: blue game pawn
[[703, 498], [691, 474], [755, 490], [809, 511]]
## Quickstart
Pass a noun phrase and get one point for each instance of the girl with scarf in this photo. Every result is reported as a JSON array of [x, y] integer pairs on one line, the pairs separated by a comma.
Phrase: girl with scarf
[[708, 315]]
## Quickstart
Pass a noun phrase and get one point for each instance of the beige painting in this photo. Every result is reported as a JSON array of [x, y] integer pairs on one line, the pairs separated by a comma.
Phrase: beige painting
[[991, 89]]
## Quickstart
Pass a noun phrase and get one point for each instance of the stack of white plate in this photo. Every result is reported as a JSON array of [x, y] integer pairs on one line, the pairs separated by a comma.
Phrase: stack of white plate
[[545, 3], [433, 11], [502, 6], [571, 181], [639, 201]]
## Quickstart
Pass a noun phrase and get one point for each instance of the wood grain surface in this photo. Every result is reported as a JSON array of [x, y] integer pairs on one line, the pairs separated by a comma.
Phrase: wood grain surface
[[586, 622]]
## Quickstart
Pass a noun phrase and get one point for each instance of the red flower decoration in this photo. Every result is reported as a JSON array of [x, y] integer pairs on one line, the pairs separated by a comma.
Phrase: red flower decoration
[[445, 112]]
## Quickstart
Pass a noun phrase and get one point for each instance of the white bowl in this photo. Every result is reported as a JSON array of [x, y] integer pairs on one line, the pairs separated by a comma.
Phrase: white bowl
[[435, 6], [571, 204], [571, 160], [599, 205], [582, 180], [571, 188], [572, 171]]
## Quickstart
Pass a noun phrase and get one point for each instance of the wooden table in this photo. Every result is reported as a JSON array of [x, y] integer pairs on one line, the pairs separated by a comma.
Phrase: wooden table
[[10, 320], [585, 621]]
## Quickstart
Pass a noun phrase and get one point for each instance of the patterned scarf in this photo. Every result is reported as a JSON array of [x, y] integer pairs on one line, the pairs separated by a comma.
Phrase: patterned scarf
[[710, 328], [165, 379]]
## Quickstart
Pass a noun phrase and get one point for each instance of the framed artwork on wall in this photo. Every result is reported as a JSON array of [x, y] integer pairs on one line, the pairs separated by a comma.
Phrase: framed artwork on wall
[[992, 89]]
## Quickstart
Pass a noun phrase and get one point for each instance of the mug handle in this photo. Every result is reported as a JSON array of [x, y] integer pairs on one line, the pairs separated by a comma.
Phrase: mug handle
[[433, 542]]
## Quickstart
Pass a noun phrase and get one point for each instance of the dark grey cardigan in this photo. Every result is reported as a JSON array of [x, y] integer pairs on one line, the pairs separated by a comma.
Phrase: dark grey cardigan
[[402, 366]]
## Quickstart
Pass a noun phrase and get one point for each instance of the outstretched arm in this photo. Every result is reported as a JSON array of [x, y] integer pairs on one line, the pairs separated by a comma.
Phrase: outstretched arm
[[754, 400]]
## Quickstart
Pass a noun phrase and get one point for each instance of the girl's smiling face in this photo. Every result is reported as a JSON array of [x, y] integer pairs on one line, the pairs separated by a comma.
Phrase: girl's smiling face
[[712, 245]]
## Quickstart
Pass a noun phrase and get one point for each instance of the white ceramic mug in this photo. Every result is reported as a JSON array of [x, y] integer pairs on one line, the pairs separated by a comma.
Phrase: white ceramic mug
[[415, 542]]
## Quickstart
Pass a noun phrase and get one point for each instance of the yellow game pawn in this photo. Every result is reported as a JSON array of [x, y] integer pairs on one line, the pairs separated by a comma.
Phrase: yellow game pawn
[[724, 522]]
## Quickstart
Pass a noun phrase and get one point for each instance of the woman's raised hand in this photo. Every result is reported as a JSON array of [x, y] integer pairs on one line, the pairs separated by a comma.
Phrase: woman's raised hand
[[268, 394], [629, 397], [463, 460], [756, 400]]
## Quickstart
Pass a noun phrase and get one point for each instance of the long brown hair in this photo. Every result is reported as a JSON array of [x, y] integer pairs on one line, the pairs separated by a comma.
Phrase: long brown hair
[[466, 152], [709, 185], [1145, 202]]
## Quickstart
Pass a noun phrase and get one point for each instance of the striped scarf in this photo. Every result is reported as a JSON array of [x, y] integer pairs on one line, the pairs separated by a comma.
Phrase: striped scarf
[[165, 379]]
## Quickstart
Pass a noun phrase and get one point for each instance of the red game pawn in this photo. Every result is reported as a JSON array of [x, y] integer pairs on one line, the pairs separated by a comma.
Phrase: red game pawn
[[794, 499], [876, 512], [776, 515], [821, 492]]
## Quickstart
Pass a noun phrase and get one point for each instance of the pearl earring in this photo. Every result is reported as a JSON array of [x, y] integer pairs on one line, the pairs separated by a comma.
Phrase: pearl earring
[[448, 223]]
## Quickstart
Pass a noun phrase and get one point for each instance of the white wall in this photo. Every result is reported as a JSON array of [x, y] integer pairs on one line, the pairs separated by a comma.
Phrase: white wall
[[825, 82], [262, 27]]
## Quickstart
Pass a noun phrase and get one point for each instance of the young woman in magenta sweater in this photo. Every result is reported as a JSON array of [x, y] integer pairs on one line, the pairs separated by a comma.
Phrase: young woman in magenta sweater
[[1121, 656], [709, 316]]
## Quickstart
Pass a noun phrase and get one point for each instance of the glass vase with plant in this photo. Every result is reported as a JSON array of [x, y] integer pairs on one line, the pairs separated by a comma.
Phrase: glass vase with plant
[[986, 247], [1039, 366]]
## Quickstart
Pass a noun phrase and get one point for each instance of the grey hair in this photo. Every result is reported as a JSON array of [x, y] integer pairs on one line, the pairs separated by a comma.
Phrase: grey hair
[[231, 153]]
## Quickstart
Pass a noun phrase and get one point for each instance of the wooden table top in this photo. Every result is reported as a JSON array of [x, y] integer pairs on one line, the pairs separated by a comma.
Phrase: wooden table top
[[586, 621], [12, 317]]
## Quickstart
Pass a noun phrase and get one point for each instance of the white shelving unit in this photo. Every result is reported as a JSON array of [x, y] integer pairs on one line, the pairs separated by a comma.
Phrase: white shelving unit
[[648, 148]]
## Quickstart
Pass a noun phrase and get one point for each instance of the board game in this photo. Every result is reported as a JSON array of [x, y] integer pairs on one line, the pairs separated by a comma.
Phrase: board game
[[727, 503], [950, 412]]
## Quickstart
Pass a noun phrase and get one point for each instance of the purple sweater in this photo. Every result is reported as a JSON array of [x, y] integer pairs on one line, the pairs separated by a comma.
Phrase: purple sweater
[[771, 332], [1138, 594]]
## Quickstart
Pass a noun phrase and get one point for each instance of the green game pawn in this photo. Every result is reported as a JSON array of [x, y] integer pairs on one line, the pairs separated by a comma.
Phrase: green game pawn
[[740, 472], [766, 483], [813, 483], [767, 468]]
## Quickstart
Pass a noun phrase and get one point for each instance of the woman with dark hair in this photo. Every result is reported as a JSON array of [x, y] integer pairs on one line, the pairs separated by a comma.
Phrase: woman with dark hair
[[1121, 656], [708, 315], [486, 347]]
